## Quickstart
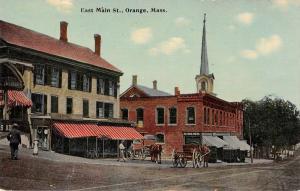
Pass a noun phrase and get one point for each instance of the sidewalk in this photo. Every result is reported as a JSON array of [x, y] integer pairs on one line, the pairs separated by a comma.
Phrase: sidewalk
[[166, 162]]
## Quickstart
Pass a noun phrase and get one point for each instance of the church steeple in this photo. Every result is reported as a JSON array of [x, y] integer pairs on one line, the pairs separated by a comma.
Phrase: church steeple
[[205, 80], [204, 59]]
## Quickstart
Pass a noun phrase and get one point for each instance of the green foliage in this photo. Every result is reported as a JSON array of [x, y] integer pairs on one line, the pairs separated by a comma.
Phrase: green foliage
[[272, 121]]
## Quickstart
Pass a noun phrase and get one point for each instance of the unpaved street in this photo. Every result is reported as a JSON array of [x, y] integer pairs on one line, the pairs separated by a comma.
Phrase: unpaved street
[[36, 173]]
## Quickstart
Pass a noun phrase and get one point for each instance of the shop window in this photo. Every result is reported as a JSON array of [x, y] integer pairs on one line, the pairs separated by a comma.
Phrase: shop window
[[160, 115], [39, 103], [172, 115], [54, 104], [69, 105], [160, 138], [85, 108], [124, 114], [192, 139], [190, 115]]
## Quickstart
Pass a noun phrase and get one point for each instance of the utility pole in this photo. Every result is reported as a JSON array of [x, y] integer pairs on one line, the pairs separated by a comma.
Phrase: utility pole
[[250, 141]]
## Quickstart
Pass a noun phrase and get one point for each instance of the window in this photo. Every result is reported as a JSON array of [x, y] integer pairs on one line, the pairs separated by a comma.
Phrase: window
[[172, 115], [213, 117], [72, 80], [54, 104], [207, 115], [79, 81], [111, 88], [85, 108], [108, 110], [192, 139], [139, 115], [204, 116], [160, 115], [55, 77], [100, 86], [69, 105], [86, 83], [221, 118], [160, 138], [203, 86], [99, 109], [39, 74], [39, 103], [216, 117], [124, 114], [190, 115]]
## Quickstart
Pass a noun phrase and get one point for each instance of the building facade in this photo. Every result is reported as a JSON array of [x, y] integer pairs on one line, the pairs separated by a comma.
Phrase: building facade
[[182, 118], [63, 80]]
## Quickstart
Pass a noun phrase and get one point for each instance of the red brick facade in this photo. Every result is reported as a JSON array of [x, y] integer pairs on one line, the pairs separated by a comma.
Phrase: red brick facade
[[221, 116]]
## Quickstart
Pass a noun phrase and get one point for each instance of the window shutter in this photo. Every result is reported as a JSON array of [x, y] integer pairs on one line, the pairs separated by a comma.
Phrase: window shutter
[[69, 80], [115, 89], [106, 87], [45, 104]]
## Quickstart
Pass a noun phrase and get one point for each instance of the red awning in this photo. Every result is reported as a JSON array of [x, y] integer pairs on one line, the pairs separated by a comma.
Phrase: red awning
[[77, 130], [16, 98]]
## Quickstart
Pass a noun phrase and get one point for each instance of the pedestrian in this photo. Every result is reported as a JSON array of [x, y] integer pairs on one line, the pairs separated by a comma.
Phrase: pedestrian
[[14, 138], [205, 152], [122, 151]]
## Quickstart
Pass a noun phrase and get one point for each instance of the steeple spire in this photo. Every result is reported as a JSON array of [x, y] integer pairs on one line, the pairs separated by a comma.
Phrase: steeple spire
[[204, 59]]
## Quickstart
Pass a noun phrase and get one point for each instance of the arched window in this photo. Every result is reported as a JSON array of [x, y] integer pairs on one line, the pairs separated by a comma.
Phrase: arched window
[[203, 85], [124, 114], [160, 138], [139, 115]]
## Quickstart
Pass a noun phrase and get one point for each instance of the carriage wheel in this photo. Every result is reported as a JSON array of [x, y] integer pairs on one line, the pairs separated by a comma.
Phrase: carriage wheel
[[194, 158], [182, 161], [142, 155], [174, 159]]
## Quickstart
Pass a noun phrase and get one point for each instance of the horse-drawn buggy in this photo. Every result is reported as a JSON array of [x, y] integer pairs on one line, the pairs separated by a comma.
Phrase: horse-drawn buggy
[[148, 147], [191, 152]]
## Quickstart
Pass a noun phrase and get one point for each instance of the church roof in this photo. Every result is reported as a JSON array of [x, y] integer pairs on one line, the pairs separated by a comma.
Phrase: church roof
[[204, 58]]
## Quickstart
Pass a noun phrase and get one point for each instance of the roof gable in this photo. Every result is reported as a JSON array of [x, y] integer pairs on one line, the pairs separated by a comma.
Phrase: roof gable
[[26, 38], [142, 91]]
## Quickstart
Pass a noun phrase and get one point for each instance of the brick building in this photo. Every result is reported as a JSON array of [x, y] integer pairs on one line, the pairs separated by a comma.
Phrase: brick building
[[65, 81], [179, 119]]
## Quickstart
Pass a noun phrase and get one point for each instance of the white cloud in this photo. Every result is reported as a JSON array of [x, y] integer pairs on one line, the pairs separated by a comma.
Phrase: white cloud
[[250, 54], [170, 46], [245, 18], [268, 45], [264, 46], [283, 4], [142, 35], [61, 5], [181, 22]]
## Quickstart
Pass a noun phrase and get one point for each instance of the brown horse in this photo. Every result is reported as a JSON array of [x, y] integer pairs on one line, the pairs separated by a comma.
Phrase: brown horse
[[204, 150], [155, 153]]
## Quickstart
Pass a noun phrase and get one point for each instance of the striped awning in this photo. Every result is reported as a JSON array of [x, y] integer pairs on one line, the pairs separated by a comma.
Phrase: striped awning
[[78, 130], [16, 98]]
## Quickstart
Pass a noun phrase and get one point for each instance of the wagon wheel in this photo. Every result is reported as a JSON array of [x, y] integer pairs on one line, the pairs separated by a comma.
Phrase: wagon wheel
[[182, 161], [142, 154], [174, 158], [131, 155], [194, 158]]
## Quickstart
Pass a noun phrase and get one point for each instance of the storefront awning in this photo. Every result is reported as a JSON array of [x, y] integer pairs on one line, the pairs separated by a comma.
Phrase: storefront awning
[[77, 130], [16, 98], [235, 143], [214, 141]]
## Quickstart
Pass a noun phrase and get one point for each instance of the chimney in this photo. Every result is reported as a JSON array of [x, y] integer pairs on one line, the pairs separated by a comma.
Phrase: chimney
[[155, 85], [177, 91], [97, 44], [64, 31], [134, 80]]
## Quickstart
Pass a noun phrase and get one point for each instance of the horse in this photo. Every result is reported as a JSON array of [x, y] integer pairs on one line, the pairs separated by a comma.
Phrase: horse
[[204, 150], [155, 153]]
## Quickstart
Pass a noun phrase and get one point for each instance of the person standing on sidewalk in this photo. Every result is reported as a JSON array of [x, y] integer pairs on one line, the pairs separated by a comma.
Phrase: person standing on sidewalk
[[122, 151], [14, 138]]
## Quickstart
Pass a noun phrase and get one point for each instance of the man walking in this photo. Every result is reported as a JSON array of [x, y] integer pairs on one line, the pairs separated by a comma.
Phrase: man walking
[[122, 151], [14, 138]]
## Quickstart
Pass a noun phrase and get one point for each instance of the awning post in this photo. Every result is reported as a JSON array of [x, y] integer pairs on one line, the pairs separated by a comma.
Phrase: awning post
[[69, 146], [96, 146], [102, 148]]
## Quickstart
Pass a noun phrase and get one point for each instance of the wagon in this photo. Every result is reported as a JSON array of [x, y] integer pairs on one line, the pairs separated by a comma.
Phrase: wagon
[[189, 153], [140, 149]]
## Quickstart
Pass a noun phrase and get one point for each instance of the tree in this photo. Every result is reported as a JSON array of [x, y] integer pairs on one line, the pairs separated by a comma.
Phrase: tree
[[272, 121]]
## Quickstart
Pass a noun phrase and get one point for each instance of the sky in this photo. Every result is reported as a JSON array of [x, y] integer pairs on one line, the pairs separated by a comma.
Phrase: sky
[[253, 46]]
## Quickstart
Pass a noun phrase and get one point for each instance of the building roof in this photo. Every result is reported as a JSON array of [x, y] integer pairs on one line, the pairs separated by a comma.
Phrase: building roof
[[20, 36], [152, 92]]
